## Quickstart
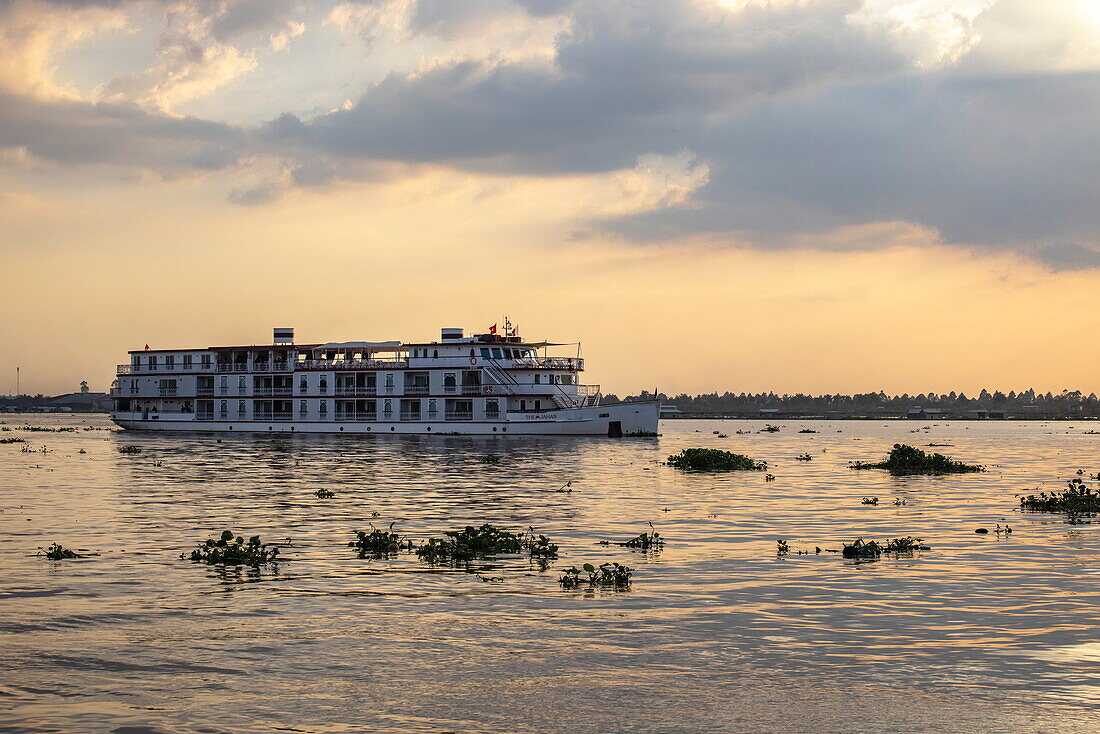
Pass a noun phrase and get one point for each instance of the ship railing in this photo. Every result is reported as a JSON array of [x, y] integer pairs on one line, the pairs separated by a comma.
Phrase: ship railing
[[536, 363], [357, 415], [587, 390], [458, 415], [417, 389], [204, 415], [410, 415], [277, 415], [167, 391], [350, 364], [492, 415], [356, 390], [471, 389], [200, 390]]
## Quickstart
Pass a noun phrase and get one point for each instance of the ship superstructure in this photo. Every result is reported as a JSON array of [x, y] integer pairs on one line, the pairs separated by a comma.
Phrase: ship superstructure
[[485, 383]]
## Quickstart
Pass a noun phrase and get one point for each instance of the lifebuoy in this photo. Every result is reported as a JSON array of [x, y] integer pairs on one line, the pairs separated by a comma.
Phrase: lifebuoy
[[473, 360]]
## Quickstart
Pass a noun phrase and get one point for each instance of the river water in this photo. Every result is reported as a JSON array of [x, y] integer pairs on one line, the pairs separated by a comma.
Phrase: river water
[[993, 632]]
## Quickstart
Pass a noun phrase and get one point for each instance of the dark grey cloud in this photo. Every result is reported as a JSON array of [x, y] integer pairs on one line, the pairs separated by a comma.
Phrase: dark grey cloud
[[69, 132], [807, 122]]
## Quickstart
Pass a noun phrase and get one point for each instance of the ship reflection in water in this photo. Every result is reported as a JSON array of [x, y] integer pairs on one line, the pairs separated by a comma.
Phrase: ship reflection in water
[[989, 632]]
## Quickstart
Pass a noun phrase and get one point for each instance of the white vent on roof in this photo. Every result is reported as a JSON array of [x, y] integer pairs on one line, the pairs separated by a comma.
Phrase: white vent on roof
[[284, 336], [452, 333]]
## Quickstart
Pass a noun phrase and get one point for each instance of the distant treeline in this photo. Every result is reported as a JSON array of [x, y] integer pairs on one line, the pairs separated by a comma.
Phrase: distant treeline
[[1069, 404]]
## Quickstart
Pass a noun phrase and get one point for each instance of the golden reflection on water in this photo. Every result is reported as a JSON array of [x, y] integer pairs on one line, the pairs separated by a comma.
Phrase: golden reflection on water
[[989, 632]]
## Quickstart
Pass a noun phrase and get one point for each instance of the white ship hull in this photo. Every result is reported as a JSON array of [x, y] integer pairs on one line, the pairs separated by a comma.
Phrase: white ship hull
[[605, 420]]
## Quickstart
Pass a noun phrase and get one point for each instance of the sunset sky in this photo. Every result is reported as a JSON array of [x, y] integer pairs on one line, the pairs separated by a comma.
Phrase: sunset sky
[[796, 195]]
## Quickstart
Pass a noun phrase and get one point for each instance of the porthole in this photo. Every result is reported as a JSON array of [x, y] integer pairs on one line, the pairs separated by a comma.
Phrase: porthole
[[269, 428], [502, 430], [368, 429], [341, 428], [391, 428], [429, 429], [494, 428]]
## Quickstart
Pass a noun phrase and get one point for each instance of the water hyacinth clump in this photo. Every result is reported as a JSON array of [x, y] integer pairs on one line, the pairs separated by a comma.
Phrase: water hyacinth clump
[[1077, 498], [129, 449], [869, 501], [380, 542], [13, 439], [861, 550], [714, 460], [646, 541], [58, 553], [608, 574], [230, 551], [489, 459], [907, 460], [324, 494], [471, 543]]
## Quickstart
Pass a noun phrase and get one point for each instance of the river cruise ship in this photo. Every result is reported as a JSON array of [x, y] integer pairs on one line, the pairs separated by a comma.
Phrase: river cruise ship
[[482, 384]]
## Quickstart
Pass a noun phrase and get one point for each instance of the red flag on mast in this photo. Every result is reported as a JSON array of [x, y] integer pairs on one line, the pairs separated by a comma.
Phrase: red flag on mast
[[493, 329], [147, 347]]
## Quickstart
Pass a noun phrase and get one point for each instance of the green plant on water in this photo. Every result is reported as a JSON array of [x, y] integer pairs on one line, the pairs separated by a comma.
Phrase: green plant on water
[[869, 501], [129, 449], [803, 457], [782, 548], [380, 542], [722, 435], [646, 541], [44, 429], [82, 451], [769, 477], [13, 439], [714, 460], [807, 430], [641, 434], [1077, 499], [769, 428], [58, 553], [607, 574], [906, 460], [870, 550], [489, 459], [899, 502], [471, 543], [230, 551], [324, 494]]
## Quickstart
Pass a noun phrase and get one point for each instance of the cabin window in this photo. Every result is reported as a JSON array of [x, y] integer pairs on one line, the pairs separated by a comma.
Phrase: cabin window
[[486, 353], [223, 408], [435, 354], [241, 384], [241, 408], [303, 385], [471, 354], [497, 354], [206, 361], [135, 360], [187, 361], [387, 408], [538, 405], [324, 408], [302, 407], [523, 405], [170, 361], [152, 362], [432, 408], [323, 384], [492, 409], [538, 379]]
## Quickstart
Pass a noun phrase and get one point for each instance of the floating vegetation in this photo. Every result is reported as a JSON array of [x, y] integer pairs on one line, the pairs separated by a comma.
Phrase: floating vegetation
[[722, 435], [906, 460], [714, 460], [489, 459], [129, 449], [58, 553], [899, 502], [44, 429], [1077, 499], [380, 542], [324, 494], [803, 457], [234, 552], [769, 428], [871, 550], [645, 542], [608, 574], [781, 548], [981, 531], [869, 501], [13, 439], [807, 430], [641, 434], [769, 477], [471, 543], [567, 487]]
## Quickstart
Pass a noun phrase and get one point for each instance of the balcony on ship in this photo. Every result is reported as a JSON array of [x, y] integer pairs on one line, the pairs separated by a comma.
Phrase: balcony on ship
[[356, 383], [410, 410], [456, 409], [416, 383]]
